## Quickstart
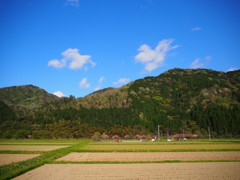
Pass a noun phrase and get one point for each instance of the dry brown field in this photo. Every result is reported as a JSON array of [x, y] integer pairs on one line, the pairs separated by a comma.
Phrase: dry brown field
[[161, 147], [166, 171], [135, 161], [10, 158], [29, 147], [151, 156]]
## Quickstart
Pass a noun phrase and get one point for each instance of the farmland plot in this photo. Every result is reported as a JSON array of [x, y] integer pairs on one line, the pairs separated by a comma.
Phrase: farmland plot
[[10, 158], [162, 147], [180, 171], [151, 156], [29, 147]]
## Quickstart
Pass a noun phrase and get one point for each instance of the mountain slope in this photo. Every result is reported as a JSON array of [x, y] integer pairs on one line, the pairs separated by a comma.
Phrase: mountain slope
[[189, 87], [174, 87], [27, 96], [177, 100]]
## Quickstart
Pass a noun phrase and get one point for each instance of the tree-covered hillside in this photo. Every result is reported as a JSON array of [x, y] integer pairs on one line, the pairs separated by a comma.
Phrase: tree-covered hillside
[[177, 100], [28, 96]]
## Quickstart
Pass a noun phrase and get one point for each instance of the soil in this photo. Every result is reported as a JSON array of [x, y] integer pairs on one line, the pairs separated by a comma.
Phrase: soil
[[151, 156], [166, 171], [10, 158], [29, 148]]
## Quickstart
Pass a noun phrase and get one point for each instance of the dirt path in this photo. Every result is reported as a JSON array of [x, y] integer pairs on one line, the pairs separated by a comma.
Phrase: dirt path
[[166, 171], [152, 156], [10, 158], [29, 148]]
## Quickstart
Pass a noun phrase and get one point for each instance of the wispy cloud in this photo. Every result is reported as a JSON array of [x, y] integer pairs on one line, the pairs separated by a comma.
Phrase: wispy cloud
[[101, 79], [84, 84], [196, 29], [121, 81], [208, 58], [154, 58], [74, 3], [72, 59], [97, 88], [232, 69], [56, 63], [198, 63], [59, 94]]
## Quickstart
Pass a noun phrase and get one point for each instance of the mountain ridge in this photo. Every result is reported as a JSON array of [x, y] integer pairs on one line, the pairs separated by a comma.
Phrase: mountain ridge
[[189, 99], [28, 96]]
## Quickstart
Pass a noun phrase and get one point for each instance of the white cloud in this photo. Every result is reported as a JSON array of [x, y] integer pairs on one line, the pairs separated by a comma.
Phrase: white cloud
[[84, 84], [101, 79], [72, 59], [97, 88], [196, 29], [232, 69], [208, 58], [74, 3], [56, 63], [198, 64], [121, 81], [59, 94], [154, 58]]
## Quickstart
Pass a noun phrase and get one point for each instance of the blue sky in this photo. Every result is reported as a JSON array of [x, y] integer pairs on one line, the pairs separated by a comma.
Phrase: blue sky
[[75, 47]]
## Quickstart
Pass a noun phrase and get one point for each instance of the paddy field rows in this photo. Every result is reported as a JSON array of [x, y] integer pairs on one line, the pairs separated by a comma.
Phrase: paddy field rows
[[10, 158], [85, 159], [166, 171], [149, 156], [161, 147]]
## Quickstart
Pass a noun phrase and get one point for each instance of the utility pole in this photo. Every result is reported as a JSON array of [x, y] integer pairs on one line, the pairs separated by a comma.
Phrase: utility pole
[[209, 135], [158, 132]]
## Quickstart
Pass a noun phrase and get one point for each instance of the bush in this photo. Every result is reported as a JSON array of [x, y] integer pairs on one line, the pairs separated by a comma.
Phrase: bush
[[96, 136], [126, 137], [115, 137], [105, 136]]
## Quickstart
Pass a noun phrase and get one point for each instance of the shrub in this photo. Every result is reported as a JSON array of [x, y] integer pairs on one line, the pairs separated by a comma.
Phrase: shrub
[[96, 136], [115, 137], [105, 136], [126, 137]]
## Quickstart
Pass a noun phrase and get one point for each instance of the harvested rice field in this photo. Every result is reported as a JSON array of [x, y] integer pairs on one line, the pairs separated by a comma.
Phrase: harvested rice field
[[29, 147], [161, 147], [150, 156], [166, 171], [109, 160], [10, 158]]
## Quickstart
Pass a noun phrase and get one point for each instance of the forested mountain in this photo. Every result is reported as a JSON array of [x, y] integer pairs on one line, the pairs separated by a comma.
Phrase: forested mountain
[[28, 96], [179, 99]]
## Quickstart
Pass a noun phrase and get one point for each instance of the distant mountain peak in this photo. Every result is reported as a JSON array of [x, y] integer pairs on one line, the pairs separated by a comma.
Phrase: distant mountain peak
[[27, 96]]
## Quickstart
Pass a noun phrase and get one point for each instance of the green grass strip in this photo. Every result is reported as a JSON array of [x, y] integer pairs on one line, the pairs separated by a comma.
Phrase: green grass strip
[[164, 143], [12, 170], [156, 150], [136, 162]]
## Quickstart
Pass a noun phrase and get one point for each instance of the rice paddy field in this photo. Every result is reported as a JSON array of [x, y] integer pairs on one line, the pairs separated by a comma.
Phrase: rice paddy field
[[163, 147], [87, 159]]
